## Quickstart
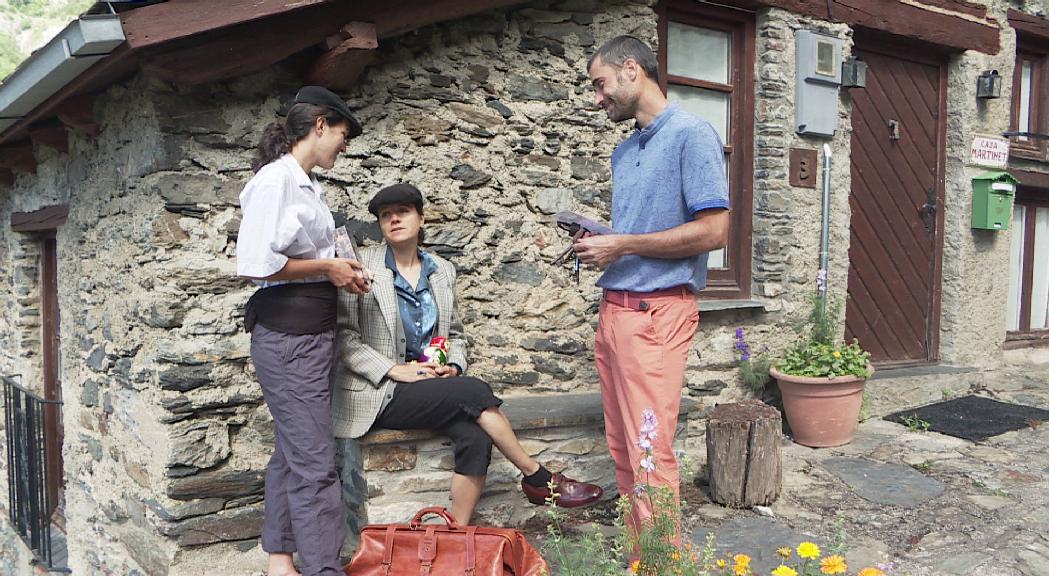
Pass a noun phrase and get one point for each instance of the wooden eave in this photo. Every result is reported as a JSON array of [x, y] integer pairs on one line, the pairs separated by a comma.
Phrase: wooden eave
[[954, 24], [200, 41]]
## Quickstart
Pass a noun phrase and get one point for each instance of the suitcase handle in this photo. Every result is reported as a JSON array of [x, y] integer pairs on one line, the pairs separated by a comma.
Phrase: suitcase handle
[[436, 511]]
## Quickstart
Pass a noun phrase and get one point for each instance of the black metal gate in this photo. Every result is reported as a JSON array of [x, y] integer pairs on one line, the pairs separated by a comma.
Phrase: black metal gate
[[25, 419]]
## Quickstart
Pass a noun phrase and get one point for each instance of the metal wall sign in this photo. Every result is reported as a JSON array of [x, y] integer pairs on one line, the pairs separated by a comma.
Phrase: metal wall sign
[[989, 151]]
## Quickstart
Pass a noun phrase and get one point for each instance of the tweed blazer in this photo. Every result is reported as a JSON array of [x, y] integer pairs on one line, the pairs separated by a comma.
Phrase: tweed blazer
[[371, 340]]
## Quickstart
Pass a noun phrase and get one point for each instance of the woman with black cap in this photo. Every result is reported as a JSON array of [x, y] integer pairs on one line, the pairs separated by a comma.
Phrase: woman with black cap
[[286, 245], [385, 382]]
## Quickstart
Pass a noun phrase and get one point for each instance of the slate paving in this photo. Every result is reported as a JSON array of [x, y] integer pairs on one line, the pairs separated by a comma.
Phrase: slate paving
[[916, 503]]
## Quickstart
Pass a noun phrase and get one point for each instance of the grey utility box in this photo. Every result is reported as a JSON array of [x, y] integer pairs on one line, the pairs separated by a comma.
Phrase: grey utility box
[[816, 89]]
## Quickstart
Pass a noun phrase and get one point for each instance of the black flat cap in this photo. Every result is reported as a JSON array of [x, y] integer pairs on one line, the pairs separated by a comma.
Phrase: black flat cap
[[396, 194], [321, 96]]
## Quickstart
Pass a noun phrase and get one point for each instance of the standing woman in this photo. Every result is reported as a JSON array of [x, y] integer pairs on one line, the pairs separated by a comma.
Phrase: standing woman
[[287, 246]]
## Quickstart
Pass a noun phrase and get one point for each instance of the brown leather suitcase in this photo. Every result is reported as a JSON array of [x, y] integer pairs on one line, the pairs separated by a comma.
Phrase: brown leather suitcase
[[443, 550]]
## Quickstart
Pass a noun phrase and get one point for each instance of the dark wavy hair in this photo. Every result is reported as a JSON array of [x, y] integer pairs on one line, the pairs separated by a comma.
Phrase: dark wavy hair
[[278, 137]]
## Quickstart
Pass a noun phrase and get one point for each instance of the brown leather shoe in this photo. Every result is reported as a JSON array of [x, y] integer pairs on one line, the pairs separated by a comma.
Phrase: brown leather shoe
[[571, 493]]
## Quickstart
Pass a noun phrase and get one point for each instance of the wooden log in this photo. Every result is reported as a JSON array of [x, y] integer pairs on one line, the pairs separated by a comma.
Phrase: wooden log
[[743, 454]]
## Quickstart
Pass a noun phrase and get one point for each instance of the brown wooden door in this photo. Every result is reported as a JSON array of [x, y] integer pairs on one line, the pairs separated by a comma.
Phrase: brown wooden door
[[53, 429], [895, 254]]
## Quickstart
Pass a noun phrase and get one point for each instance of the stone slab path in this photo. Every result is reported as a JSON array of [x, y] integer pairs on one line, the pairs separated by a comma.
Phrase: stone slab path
[[919, 503]]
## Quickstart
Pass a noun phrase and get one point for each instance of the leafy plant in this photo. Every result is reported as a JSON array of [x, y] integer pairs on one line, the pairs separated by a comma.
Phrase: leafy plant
[[753, 367], [821, 355], [916, 424]]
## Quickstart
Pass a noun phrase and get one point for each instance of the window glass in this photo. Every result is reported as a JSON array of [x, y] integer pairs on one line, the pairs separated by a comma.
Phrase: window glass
[[1024, 122], [1040, 282], [1016, 258], [698, 53], [714, 107]]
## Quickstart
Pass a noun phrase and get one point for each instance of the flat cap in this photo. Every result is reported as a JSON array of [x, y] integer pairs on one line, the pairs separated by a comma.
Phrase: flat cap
[[321, 96], [396, 194]]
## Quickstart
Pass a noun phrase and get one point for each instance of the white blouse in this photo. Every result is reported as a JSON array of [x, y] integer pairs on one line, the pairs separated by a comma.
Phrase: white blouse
[[284, 215]]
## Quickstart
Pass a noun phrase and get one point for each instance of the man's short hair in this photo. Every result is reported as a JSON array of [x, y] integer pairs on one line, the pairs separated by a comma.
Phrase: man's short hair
[[622, 48]]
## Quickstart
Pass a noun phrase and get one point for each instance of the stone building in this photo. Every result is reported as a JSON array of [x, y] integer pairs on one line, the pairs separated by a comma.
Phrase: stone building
[[126, 141]]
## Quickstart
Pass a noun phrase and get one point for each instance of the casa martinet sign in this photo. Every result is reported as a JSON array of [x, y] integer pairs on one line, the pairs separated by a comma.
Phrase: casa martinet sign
[[989, 152]]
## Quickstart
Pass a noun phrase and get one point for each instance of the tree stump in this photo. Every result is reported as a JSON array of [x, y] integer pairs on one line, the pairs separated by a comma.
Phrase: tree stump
[[743, 454]]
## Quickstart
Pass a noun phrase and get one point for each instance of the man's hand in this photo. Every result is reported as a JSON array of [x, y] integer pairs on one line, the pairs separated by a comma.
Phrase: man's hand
[[413, 372], [600, 250], [446, 371], [349, 275]]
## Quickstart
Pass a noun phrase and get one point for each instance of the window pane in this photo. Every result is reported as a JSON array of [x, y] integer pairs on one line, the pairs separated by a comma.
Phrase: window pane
[[1024, 122], [698, 53], [707, 104], [716, 259], [1040, 283], [1016, 258]]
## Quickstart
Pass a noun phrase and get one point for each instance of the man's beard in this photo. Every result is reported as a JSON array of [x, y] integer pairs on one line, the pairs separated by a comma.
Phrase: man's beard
[[621, 109]]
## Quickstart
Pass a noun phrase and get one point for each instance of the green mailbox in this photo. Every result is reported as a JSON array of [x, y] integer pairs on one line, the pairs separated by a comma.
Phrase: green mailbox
[[993, 194]]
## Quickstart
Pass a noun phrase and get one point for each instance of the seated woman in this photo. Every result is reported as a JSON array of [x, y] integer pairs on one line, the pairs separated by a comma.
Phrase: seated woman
[[381, 333]]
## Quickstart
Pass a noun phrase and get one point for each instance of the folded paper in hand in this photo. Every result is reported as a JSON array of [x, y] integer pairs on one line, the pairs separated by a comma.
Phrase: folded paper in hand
[[344, 244]]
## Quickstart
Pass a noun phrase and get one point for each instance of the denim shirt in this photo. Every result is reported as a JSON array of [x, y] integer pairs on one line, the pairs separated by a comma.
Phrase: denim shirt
[[416, 306]]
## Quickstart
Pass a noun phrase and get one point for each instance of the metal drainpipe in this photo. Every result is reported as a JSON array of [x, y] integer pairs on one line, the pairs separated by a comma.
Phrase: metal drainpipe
[[821, 285]]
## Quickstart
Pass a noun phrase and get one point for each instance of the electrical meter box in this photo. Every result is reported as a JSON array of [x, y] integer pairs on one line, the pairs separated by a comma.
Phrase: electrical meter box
[[816, 89], [993, 194]]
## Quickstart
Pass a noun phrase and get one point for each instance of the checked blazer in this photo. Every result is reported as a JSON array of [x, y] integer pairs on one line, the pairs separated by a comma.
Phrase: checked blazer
[[371, 340]]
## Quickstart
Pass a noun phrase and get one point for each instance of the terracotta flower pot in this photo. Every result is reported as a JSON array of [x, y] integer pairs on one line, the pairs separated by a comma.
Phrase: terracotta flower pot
[[822, 411]]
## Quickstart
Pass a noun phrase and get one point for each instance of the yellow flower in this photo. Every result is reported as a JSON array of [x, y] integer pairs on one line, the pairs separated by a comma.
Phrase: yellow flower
[[871, 572], [833, 565], [808, 550], [837, 354], [784, 552], [720, 563], [741, 560], [738, 570], [634, 566], [675, 556], [784, 571]]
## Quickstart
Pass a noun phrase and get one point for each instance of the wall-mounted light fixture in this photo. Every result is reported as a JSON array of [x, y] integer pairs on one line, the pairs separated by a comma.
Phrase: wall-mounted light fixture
[[854, 73], [989, 85]]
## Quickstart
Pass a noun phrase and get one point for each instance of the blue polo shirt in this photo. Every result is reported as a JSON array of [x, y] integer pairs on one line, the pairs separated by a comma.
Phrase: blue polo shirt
[[662, 175]]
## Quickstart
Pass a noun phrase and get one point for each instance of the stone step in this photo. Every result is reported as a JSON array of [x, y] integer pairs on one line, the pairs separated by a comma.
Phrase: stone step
[[890, 390], [534, 412]]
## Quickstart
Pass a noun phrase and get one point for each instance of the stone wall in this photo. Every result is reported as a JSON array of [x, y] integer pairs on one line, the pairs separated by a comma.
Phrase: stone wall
[[166, 433]]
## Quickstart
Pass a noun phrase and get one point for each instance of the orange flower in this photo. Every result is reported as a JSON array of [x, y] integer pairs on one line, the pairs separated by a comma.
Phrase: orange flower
[[635, 565], [833, 565], [871, 572]]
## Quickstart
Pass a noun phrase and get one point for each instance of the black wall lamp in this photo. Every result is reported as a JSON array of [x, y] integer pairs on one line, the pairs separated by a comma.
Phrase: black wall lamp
[[989, 85], [853, 73]]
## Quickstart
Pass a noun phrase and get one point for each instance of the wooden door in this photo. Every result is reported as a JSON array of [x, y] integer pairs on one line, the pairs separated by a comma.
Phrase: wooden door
[[53, 429], [897, 166]]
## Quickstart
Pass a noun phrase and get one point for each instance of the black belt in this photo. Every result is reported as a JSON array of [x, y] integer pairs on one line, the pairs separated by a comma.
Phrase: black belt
[[293, 308]]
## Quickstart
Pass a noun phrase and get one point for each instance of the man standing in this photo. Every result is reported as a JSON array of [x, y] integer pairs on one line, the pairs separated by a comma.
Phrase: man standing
[[669, 209]]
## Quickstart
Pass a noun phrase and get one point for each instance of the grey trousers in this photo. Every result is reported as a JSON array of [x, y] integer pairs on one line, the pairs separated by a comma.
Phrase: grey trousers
[[304, 511]]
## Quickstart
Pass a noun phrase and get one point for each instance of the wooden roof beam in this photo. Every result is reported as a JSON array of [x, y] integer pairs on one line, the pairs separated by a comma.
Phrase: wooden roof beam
[[350, 52], [18, 157], [965, 29], [7, 177], [174, 20], [78, 113], [52, 134]]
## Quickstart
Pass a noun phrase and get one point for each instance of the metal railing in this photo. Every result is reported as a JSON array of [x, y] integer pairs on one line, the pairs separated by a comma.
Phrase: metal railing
[[26, 417]]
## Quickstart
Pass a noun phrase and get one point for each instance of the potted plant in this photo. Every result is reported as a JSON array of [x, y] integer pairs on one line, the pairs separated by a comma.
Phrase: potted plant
[[821, 379]]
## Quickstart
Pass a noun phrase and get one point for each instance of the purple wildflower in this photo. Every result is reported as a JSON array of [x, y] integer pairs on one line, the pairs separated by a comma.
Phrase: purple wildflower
[[648, 464], [821, 281], [640, 489], [645, 442], [648, 418]]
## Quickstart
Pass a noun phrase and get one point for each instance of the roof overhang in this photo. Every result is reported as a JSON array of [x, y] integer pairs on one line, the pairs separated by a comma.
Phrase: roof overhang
[[76, 48]]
